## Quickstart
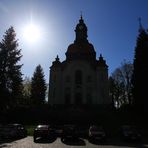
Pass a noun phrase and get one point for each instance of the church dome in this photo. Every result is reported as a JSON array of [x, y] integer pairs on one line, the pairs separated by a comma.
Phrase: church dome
[[85, 48], [81, 48], [81, 51]]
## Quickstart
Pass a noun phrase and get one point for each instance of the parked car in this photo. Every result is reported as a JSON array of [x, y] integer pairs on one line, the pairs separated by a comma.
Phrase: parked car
[[5, 132], [130, 133], [11, 131], [69, 132], [96, 132], [82, 131], [20, 130], [1, 131], [58, 129], [43, 131]]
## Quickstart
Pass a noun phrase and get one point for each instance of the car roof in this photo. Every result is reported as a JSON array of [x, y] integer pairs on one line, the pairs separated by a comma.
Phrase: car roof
[[15, 124], [42, 125], [97, 126]]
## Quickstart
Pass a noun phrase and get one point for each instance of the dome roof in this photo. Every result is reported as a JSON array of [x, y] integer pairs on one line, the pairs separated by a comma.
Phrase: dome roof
[[81, 51], [81, 48]]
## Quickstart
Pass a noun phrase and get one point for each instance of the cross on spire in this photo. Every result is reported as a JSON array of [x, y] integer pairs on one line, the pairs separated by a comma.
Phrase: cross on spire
[[81, 15], [140, 25]]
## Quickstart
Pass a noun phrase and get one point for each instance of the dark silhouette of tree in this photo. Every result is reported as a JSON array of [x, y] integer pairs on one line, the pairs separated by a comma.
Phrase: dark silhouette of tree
[[121, 84], [38, 87], [140, 73], [10, 70], [112, 92]]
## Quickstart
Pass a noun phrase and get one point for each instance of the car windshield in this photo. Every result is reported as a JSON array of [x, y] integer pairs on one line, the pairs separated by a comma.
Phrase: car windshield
[[96, 128], [42, 126]]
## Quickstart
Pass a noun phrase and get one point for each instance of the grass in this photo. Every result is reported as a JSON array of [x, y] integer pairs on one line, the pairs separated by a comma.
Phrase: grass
[[30, 129]]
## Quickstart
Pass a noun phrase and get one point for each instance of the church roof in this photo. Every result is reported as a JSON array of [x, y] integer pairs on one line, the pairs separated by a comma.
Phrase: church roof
[[57, 62], [83, 47], [101, 62]]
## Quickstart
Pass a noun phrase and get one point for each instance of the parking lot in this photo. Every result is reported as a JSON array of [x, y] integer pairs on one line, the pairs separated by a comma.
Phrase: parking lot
[[79, 143]]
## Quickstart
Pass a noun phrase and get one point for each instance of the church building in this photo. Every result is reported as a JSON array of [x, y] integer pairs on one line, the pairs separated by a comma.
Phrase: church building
[[81, 78]]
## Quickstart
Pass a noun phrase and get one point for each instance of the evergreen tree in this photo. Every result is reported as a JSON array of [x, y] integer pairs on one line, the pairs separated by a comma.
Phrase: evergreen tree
[[38, 86], [140, 73], [10, 70]]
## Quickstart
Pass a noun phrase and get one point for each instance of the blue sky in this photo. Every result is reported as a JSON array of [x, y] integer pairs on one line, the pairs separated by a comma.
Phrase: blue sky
[[112, 28]]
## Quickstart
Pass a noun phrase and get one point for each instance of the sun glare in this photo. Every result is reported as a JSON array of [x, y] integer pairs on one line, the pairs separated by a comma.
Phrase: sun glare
[[32, 33]]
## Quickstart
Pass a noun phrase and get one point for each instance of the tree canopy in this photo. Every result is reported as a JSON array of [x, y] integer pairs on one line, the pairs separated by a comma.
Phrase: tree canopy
[[121, 84], [140, 73], [38, 86], [10, 70]]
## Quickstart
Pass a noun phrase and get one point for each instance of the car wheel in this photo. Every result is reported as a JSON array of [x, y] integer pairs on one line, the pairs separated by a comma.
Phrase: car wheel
[[34, 138]]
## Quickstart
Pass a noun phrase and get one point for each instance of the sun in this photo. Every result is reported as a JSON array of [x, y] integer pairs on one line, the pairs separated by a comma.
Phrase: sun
[[32, 33]]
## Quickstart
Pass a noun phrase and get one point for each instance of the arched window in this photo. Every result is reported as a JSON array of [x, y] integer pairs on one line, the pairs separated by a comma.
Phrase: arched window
[[89, 95], [67, 98], [78, 77], [67, 79], [54, 78], [89, 99], [54, 92], [89, 79], [67, 95], [78, 98]]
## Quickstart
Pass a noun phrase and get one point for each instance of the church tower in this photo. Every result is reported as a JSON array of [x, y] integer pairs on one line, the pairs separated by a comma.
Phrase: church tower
[[80, 79], [81, 48]]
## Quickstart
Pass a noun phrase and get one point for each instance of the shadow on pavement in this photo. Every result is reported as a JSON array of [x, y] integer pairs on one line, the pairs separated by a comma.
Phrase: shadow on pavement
[[45, 140], [5, 143], [73, 141], [8, 140], [3, 146], [98, 142], [120, 142]]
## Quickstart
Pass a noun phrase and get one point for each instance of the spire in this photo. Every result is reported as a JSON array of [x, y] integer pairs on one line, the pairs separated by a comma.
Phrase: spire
[[57, 58], [81, 31], [81, 13], [102, 62], [101, 58], [140, 25], [81, 18], [57, 62]]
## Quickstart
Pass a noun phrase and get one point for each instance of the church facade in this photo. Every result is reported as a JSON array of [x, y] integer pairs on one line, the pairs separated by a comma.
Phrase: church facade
[[80, 79]]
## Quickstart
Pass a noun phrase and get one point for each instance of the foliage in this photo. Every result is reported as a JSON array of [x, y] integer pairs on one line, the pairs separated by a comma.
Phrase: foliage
[[30, 129], [27, 90], [121, 85], [140, 73], [10, 70], [38, 86]]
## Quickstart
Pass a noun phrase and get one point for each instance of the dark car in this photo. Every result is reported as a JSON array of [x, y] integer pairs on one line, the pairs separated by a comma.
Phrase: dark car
[[43, 131], [11, 131], [1, 131], [130, 133], [82, 131], [21, 131], [97, 133], [58, 129], [69, 132]]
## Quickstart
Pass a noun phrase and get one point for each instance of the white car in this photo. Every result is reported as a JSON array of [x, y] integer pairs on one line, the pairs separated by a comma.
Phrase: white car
[[97, 133]]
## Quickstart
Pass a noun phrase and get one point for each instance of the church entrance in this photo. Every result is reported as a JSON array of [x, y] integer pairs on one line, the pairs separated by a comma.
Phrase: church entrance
[[67, 99], [78, 98]]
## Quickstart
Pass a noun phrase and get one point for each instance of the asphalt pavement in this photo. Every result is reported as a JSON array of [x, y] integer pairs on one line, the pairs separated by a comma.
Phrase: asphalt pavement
[[76, 143]]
